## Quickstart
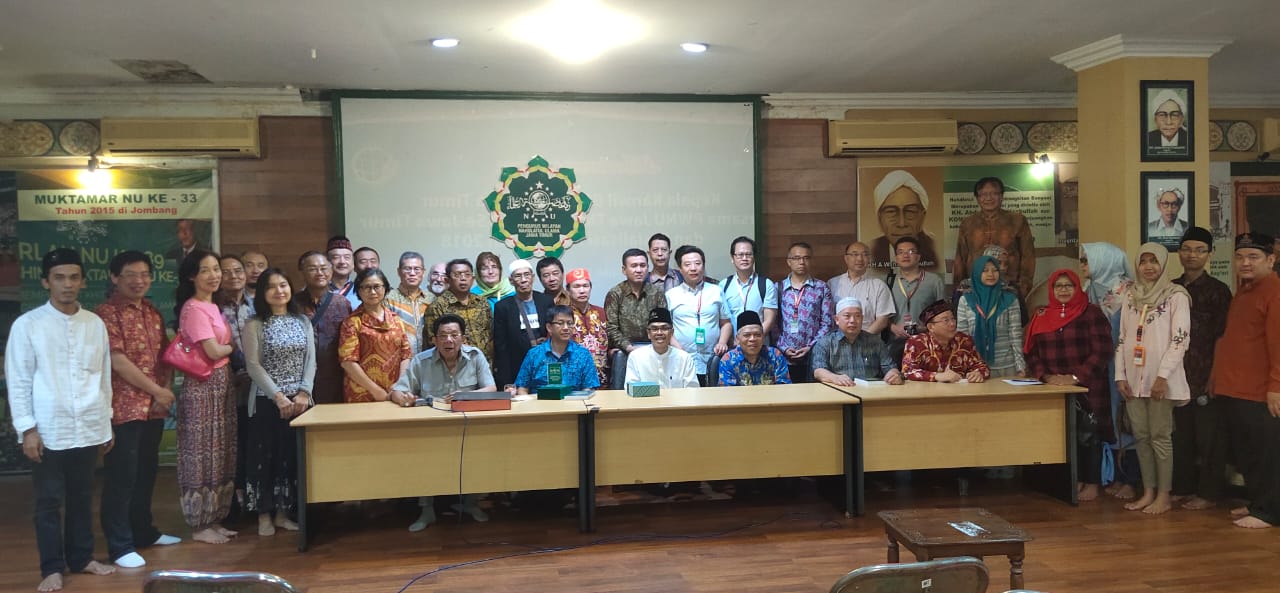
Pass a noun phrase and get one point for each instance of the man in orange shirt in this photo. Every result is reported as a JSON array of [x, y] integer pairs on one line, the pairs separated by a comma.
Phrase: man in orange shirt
[[1246, 374]]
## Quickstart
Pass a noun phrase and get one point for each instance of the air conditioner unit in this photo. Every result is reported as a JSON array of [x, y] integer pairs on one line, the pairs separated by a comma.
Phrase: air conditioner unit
[[181, 137], [1270, 136], [891, 138]]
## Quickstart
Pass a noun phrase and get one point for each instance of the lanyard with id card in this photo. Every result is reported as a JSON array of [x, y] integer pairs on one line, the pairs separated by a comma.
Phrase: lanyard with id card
[[1139, 352], [699, 333]]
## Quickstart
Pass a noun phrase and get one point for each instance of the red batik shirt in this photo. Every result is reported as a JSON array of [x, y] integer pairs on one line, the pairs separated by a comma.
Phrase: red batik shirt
[[925, 357], [137, 332]]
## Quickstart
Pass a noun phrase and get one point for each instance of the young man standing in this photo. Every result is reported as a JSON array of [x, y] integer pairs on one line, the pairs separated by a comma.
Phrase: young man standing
[[1199, 441], [550, 274], [807, 307], [472, 308], [140, 401], [912, 288], [1246, 377], [255, 263], [588, 321], [698, 312], [58, 368]]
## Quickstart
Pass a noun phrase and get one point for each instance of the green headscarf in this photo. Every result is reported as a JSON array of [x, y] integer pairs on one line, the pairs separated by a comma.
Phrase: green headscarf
[[987, 302]]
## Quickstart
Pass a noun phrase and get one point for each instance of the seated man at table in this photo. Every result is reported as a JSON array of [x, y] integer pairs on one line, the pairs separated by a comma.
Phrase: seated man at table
[[942, 354], [852, 353], [751, 362], [658, 362], [438, 373], [577, 368]]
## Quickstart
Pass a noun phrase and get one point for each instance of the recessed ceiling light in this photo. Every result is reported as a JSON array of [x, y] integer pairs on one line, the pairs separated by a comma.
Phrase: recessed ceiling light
[[445, 42], [694, 48]]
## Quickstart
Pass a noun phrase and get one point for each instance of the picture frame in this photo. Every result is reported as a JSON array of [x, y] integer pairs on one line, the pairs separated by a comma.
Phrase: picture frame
[[1168, 206], [1167, 111]]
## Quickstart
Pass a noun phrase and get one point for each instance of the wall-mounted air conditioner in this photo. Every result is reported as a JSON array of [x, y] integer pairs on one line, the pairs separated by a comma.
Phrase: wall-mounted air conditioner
[[181, 137], [891, 138]]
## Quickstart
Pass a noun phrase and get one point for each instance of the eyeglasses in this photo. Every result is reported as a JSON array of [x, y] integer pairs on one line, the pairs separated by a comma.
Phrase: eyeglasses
[[560, 323], [664, 327], [799, 257], [522, 275], [1059, 287], [373, 287], [460, 274], [909, 252], [1193, 251], [743, 255], [412, 269]]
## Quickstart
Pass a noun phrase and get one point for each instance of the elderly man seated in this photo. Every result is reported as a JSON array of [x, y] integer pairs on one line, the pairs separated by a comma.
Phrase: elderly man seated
[[852, 353], [658, 362], [439, 372], [577, 368], [751, 362]]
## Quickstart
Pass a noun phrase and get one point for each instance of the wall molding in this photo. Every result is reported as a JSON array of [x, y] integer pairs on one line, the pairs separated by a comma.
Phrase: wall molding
[[1121, 46]]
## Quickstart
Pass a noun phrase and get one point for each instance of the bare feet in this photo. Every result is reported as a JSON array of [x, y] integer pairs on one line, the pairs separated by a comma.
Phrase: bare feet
[[52, 582], [1160, 505], [1125, 492], [1148, 497], [284, 523], [1195, 503], [1087, 493], [209, 535], [265, 528], [1251, 522], [1238, 512], [97, 568], [224, 531], [1112, 488]]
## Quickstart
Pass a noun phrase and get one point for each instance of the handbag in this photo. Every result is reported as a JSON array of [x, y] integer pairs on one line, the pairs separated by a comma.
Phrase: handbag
[[191, 360], [1086, 425]]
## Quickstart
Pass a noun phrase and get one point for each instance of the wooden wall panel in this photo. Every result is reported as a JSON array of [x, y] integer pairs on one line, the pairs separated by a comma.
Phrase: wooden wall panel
[[806, 197], [279, 204]]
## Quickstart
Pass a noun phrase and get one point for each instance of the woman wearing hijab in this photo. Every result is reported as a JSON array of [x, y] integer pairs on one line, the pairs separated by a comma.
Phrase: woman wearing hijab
[[941, 353], [1110, 274], [990, 315], [490, 283], [1069, 343], [1155, 327]]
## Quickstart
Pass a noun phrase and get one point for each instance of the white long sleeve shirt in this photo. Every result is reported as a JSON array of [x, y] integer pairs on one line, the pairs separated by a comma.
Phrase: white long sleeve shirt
[[673, 369], [58, 368]]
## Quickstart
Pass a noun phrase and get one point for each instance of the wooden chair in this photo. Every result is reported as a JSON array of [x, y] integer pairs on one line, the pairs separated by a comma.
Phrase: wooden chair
[[185, 581], [948, 575]]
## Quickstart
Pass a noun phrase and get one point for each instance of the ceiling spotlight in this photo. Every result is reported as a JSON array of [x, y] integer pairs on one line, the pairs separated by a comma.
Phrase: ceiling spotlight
[[1041, 166], [694, 48], [444, 42]]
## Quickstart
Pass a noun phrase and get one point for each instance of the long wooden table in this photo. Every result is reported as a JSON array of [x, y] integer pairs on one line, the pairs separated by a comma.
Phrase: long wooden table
[[377, 450], [724, 433], [938, 425]]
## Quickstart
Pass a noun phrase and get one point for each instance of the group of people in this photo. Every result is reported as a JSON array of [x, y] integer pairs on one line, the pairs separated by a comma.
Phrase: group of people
[[82, 382]]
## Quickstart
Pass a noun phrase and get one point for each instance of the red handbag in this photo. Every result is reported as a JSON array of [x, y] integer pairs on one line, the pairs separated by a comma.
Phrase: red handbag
[[188, 358]]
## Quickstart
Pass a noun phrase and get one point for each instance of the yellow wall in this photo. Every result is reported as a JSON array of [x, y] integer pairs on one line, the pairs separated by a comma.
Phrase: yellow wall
[[1110, 123]]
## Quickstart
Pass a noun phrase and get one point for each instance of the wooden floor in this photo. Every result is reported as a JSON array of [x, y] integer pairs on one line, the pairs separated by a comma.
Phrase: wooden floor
[[767, 544]]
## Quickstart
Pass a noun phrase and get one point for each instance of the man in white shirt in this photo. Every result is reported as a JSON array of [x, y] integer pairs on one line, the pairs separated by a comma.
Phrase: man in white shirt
[[872, 292], [659, 362], [58, 367], [698, 313]]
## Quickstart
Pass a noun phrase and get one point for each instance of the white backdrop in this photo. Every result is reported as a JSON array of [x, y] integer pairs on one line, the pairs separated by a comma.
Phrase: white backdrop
[[415, 173]]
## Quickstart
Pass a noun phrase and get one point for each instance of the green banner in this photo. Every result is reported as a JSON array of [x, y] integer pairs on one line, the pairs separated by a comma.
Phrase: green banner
[[163, 213]]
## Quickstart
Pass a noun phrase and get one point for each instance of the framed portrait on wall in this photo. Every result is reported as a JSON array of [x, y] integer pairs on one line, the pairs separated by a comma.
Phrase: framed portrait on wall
[[1168, 206], [1167, 113]]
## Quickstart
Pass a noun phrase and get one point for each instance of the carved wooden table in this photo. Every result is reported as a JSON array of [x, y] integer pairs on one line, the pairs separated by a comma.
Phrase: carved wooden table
[[944, 533]]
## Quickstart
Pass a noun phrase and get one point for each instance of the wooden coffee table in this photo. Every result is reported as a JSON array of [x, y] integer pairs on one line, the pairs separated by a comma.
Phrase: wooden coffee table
[[945, 533]]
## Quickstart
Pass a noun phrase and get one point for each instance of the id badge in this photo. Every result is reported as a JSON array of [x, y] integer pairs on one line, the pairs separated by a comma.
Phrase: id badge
[[700, 336], [794, 329], [1139, 356]]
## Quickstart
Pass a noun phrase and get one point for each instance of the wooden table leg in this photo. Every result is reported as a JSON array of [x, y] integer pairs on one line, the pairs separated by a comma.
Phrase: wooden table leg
[[1015, 571], [893, 549]]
